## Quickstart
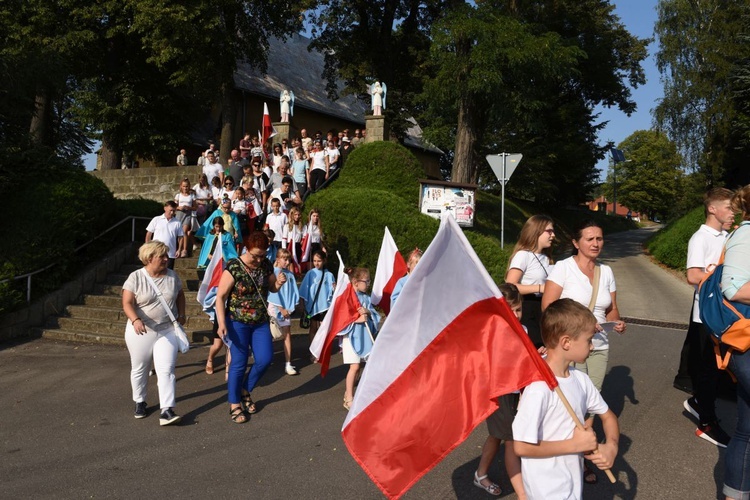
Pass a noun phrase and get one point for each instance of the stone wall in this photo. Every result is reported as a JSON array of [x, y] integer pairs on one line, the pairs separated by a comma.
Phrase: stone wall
[[18, 323], [158, 184]]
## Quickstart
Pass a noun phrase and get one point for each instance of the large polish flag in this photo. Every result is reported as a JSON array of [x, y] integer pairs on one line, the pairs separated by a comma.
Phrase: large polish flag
[[391, 268], [207, 292], [449, 347], [344, 310]]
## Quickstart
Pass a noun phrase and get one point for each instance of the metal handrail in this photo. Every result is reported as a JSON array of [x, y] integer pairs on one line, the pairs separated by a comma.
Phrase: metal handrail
[[28, 276]]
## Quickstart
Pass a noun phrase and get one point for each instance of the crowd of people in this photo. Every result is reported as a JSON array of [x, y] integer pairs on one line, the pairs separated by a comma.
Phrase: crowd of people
[[568, 308]]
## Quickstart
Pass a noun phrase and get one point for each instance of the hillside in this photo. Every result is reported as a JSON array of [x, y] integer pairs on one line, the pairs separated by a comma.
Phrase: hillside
[[380, 187]]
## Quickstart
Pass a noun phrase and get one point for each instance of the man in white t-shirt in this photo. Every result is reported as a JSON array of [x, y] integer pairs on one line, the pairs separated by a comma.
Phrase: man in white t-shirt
[[212, 168], [704, 252], [275, 221], [167, 229]]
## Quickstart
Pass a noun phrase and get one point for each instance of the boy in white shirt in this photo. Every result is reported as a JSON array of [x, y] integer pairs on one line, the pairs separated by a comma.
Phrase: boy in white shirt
[[545, 436], [275, 221]]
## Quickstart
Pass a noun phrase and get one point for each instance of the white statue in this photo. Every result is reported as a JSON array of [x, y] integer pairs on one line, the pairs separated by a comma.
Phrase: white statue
[[377, 93], [286, 99]]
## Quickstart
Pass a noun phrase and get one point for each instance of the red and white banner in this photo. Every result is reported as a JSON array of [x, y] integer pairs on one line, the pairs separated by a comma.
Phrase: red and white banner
[[450, 346], [307, 243], [391, 268], [344, 310], [268, 128], [210, 284]]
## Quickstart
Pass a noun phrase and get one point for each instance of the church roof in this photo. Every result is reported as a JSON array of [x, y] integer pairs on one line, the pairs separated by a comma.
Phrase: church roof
[[292, 66]]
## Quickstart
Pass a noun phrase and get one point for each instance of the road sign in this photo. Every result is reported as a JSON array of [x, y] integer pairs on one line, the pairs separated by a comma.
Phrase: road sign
[[503, 164], [511, 163]]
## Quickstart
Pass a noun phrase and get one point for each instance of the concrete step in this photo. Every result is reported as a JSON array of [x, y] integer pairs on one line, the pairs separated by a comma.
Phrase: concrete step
[[197, 321], [185, 273], [116, 290], [114, 302], [188, 284]]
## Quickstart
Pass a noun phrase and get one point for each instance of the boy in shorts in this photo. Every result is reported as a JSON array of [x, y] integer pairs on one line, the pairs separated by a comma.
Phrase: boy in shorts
[[545, 436]]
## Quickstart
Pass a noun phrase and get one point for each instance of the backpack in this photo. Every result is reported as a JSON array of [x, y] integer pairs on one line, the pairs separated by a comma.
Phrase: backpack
[[725, 319]]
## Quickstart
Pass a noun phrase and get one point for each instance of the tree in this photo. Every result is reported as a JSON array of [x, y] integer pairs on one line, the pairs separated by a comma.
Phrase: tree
[[367, 40], [649, 180], [699, 45], [569, 57]]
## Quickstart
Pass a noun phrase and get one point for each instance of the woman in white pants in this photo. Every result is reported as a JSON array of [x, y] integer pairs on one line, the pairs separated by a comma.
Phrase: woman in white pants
[[149, 331]]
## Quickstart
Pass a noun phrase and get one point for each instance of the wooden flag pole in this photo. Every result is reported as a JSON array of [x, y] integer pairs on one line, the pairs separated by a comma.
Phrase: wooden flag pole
[[580, 426]]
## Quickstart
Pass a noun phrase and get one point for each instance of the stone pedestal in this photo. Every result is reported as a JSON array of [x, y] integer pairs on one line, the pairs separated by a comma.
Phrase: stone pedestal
[[377, 129], [283, 131]]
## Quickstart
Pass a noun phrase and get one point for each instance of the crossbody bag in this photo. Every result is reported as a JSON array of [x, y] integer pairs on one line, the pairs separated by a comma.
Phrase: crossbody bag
[[183, 344]]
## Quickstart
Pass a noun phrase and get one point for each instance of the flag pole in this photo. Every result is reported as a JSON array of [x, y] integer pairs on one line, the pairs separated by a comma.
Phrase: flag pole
[[578, 423]]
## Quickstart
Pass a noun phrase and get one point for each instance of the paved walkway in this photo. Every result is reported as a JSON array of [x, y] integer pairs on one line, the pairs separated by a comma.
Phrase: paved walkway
[[644, 290]]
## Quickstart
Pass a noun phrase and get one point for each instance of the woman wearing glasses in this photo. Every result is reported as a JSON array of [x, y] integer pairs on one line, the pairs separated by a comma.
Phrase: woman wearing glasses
[[243, 321], [530, 264]]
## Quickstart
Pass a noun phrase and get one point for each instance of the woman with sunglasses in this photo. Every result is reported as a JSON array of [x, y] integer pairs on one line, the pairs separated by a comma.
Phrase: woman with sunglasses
[[242, 314], [228, 190], [530, 264]]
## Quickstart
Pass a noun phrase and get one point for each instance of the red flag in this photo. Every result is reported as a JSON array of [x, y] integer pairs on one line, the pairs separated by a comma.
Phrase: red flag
[[343, 311], [391, 268], [268, 128], [450, 346]]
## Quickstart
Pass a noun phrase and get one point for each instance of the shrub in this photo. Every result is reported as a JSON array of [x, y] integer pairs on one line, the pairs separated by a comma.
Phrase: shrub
[[384, 166], [669, 246]]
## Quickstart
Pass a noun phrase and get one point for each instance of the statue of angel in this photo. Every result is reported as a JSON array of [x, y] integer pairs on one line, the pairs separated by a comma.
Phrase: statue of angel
[[377, 92], [286, 99]]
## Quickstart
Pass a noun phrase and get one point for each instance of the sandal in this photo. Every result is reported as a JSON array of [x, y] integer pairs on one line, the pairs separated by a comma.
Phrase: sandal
[[247, 401], [589, 476], [347, 403], [491, 488], [210, 367], [237, 415]]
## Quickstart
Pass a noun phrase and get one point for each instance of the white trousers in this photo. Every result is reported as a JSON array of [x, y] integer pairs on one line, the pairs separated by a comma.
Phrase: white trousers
[[160, 344]]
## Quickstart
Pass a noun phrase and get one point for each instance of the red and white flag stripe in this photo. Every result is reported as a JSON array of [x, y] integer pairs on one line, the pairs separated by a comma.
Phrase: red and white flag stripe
[[213, 272], [268, 128], [391, 268], [344, 310], [449, 347]]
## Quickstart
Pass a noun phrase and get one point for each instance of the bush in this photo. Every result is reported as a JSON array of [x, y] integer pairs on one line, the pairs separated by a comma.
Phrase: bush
[[138, 207], [669, 246], [61, 209], [384, 166], [379, 187]]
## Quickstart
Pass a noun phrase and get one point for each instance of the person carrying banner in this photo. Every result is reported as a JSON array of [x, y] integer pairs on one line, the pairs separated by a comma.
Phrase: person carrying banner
[[411, 263], [357, 339], [546, 438], [316, 291], [241, 311]]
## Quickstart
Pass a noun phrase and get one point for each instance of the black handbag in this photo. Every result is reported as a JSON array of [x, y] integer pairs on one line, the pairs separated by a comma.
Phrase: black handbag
[[304, 321]]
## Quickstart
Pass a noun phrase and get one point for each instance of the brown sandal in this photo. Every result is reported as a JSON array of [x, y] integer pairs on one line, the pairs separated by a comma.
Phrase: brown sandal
[[237, 414], [210, 367], [249, 404]]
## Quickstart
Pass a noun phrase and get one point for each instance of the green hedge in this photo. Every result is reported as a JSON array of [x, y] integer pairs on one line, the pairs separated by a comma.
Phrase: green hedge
[[669, 246], [379, 187]]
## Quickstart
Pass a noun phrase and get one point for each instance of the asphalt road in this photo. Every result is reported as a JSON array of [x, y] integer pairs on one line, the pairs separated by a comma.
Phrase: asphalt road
[[67, 430]]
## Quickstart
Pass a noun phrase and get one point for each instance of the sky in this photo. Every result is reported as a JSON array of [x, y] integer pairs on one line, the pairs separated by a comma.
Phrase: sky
[[639, 17]]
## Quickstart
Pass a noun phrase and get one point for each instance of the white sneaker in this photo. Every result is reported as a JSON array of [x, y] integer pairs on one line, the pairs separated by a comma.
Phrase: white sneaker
[[290, 370]]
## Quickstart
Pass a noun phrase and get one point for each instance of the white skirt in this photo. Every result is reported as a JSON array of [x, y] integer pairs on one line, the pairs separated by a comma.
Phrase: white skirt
[[350, 357]]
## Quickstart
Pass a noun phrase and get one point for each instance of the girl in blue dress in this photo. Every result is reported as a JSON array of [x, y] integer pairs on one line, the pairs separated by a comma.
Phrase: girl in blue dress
[[356, 340], [317, 302]]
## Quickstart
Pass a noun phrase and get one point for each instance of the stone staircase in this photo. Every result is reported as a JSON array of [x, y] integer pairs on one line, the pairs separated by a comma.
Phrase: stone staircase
[[98, 317]]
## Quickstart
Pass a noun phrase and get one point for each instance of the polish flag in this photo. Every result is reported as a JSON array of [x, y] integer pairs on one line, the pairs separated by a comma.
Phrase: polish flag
[[207, 292], [344, 310], [268, 128], [306, 243], [449, 348], [391, 268]]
